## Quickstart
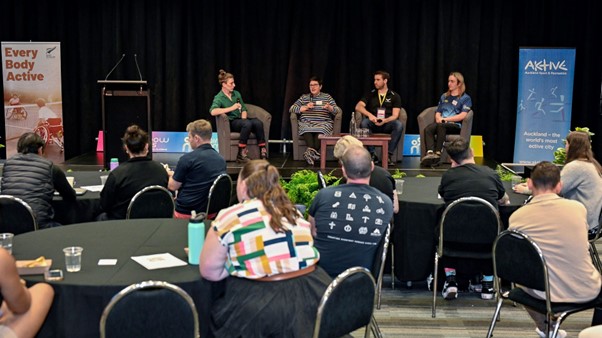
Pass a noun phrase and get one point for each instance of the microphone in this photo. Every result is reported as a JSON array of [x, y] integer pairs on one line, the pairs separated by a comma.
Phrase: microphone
[[117, 64], [137, 67], [238, 101]]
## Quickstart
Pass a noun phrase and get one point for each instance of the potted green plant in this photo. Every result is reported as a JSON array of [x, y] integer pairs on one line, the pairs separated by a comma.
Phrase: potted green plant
[[303, 186]]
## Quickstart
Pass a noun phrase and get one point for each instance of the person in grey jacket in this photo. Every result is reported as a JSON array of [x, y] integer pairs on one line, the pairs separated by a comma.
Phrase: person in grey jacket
[[33, 178]]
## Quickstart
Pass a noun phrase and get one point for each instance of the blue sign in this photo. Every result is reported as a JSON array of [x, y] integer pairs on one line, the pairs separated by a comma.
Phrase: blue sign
[[545, 98], [411, 145], [175, 142]]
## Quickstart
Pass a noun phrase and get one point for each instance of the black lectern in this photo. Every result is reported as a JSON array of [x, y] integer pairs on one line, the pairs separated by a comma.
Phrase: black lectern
[[123, 103]]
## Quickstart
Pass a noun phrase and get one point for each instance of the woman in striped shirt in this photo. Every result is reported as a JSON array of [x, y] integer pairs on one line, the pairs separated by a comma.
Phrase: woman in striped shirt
[[316, 112]]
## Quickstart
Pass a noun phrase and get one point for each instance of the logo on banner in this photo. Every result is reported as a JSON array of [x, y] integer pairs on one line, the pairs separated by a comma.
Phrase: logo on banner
[[49, 54], [544, 67]]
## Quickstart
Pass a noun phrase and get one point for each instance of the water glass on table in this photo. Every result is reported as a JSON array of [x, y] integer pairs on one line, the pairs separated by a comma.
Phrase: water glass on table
[[73, 258], [399, 186], [6, 241]]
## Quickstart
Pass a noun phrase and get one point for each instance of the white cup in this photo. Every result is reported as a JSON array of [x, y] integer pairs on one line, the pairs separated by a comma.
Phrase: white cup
[[399, 186], [6, 241], [103, 179], [73, 258], [516, 180], [71, 180]]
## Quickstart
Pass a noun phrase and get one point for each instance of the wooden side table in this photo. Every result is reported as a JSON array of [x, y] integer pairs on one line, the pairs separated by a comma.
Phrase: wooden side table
[[379, 140]]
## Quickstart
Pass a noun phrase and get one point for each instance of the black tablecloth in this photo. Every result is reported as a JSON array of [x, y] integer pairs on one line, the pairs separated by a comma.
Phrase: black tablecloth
[[414, 229], [81, 297], [86, 207]]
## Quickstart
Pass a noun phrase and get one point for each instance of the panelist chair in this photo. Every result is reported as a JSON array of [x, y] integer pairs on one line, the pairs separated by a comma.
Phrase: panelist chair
[[428, 116], [154, 201], [150, 309], [16, 216], [398, 154], [228, 140], [347, 304], [519, 260], [467, 229], [219, 195], [299, 146]]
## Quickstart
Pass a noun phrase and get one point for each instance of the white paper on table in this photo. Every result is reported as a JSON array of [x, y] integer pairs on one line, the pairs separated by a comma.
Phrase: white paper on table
[[94, 188], [159, 261]]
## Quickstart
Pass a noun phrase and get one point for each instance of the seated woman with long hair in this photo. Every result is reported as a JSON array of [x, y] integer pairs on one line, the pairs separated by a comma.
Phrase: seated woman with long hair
[[265, 247], [582, 176]]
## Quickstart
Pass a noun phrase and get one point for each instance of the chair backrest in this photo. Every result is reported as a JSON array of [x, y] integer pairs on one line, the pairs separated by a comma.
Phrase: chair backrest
[[150, 309], [154, 201], [347, 304], [380, 256], [518, 259], [321, 180], [219, 195], [16, 216], [469, 220]]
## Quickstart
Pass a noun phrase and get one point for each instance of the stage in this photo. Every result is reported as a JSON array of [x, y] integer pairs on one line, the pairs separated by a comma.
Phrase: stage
[[283, 160]]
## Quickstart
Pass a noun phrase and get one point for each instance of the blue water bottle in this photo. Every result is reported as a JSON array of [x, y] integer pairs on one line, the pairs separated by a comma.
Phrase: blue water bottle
[[196, 237]]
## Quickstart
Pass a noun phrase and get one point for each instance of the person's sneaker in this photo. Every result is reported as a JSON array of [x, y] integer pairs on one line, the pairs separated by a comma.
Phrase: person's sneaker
[[308, 158], [450, 289], [375, 158], [314, 154], [242, 156], [390, 161], [264, 153], [561, 333], [487, 290]]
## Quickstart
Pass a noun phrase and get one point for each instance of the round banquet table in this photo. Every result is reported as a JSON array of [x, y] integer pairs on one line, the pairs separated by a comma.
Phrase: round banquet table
[[81, 297], [414, 226]]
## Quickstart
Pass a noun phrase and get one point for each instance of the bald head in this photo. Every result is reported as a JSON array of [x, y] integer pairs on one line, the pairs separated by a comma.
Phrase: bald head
[[357, 162]]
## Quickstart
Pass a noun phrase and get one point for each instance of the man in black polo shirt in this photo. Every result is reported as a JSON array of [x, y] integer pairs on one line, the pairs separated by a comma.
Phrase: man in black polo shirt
[[196, 171], [381, 109]]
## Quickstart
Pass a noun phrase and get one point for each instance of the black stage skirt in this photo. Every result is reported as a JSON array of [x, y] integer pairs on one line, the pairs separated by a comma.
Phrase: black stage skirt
[[269, 309]]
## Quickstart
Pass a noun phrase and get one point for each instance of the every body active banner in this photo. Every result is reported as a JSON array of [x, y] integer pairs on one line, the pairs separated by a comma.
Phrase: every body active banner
[[545, 97], [31, 73]]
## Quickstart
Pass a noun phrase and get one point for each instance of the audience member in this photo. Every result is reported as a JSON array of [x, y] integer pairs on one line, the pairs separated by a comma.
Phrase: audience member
[[380, 178], [265, 246], [32, 178], [453, 107], [229, 101], [466, 179], [23, 309], [196, 171], [349, 220], [381, 108], [138, 172], [582, 176], [316, 112], [559, 227]]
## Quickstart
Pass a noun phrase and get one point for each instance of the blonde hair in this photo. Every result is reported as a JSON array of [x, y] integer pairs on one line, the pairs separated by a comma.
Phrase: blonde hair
[[223, 76], [460, 79], [343, 143]]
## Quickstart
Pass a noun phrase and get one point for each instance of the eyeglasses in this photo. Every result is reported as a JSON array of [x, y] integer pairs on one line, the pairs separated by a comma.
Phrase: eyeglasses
[[314, 85]]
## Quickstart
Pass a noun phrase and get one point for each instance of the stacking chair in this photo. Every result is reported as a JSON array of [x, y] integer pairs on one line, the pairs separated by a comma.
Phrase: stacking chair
[[347, 304], [219, 195], [150, 309], [153, 201], [16, 216], [321, 180], [468, 227], [378, 268], [593, 251], [519, 260]]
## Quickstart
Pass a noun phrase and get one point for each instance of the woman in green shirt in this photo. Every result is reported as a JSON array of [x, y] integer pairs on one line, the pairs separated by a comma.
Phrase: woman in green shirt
[[229, 101]]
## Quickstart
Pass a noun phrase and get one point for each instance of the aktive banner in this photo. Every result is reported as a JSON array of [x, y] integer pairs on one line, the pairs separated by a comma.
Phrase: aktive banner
[[545, 98], [31, 73]]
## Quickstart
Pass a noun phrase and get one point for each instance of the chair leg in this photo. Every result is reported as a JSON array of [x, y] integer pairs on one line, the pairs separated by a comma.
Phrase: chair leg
[[593, 251], [375, 328], [434, 305], [495, 318], [392, 266], [379, 287]]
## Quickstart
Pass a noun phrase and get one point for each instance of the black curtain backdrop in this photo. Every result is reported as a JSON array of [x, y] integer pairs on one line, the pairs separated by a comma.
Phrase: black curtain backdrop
[[272, 47]]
